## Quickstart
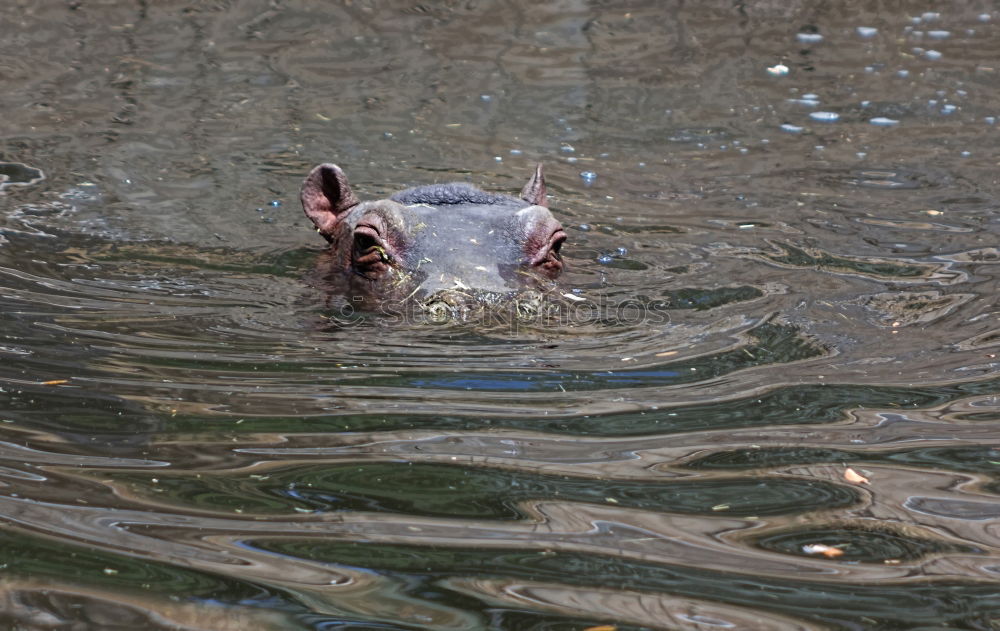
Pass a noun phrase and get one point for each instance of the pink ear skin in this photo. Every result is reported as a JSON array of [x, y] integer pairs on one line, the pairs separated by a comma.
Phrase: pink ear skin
[[534, 191], [326, 196]]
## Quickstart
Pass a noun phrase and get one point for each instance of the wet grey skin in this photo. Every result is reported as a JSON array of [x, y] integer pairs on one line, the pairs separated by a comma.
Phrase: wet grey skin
[[447, 246]]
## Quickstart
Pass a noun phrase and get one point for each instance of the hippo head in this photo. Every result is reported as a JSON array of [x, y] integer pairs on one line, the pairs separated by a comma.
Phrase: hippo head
[[441, 243]]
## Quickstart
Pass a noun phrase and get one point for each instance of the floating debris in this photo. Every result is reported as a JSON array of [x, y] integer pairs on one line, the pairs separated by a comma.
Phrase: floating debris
[[825, 117], [779, 70], [820, 548], [854, 477]]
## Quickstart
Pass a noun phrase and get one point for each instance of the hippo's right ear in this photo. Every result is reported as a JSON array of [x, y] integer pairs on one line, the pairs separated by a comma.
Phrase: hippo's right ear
[[534, 191], [326, 196]]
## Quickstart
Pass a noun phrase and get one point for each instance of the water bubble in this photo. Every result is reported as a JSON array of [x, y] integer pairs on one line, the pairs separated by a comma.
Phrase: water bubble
[[866, 31], [588, 176], [939, 34], [274, 203], [825, 117], [585, 227], [642, 164], [809, 38], [961, 92], [387, 134], [902, 73], [571, 159], [930, 16], [882, 121], [861, 155], [516, 152], [865, 103], [260, 210], [622, 252], [791, 129], [915, 20], [778, 70], [984, 17], [744, 150], [810, 96], [966, 154], [604, 155], [948, 108], [605, 259], [567, 149], [990, 120], [869, 69], [916, 50], [764, 141], [932, 102], [933, 55], [806, 102], [498, 158]]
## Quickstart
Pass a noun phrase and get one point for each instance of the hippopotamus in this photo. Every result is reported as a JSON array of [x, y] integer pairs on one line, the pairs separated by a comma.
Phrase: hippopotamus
[[440, 245]]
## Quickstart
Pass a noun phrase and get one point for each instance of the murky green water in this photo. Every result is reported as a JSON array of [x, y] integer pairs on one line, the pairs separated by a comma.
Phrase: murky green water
[[777, 406]]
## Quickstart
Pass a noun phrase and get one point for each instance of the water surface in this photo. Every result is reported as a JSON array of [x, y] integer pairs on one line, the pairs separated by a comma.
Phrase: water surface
[[776, 406]]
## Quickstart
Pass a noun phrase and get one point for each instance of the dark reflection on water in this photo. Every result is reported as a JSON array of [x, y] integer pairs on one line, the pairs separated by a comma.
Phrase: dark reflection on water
[[764, 395]]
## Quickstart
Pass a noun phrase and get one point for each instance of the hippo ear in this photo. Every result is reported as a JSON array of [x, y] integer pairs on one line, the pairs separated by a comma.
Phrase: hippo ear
[[534, 191], [326, 196]]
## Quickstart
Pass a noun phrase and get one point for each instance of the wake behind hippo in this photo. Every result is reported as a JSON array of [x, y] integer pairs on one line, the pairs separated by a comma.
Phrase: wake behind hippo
[[442, 243]]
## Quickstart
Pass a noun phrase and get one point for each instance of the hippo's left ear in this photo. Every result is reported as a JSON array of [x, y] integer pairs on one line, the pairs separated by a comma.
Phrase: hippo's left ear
[[326, 196], [534, 191]]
